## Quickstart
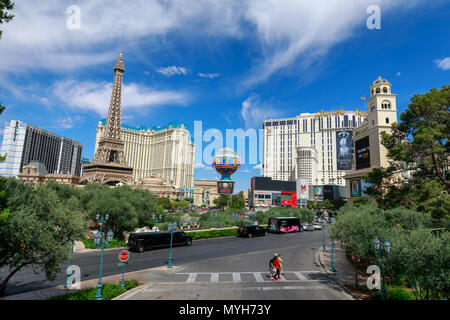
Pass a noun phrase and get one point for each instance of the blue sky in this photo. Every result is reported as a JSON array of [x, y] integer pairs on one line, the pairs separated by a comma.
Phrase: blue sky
[[229, 64]]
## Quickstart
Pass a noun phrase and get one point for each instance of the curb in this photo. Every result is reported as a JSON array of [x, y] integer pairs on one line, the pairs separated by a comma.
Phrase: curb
[[334, 280]]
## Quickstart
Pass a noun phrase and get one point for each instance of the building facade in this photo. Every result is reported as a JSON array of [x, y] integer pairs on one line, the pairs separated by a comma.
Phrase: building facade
[[24, 143], [312, 146], [167, 153], [36, 173], [265, 192], [205, 192], [369, 152]]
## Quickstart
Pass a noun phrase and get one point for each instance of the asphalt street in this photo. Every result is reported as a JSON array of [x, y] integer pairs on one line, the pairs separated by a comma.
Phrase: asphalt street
[[224, 257]]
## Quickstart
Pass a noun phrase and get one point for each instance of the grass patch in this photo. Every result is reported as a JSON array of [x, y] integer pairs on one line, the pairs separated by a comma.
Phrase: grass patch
[[90, 244], [110, 291]]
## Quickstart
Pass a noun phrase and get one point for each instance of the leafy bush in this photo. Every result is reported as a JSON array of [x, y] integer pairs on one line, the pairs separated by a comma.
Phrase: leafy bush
[[109, 291], [115, 243], [393, 293], [204, 234]]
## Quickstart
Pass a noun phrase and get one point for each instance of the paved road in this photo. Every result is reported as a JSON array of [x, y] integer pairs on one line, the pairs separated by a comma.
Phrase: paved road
[[212, 256]]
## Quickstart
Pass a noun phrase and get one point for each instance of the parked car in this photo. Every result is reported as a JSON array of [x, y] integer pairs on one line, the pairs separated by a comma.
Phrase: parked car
[[317, 226], [304, 226], [251, 231], [143, 241], [308, 227]]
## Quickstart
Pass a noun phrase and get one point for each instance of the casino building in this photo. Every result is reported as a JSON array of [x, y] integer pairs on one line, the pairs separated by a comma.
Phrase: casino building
[[369, 152], [316, 147]]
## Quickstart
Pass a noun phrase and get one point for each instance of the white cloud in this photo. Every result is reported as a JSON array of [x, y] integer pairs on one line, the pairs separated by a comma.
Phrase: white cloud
[[257, 167], [443, 64], [284, 32], [209, 75], [68, 122], [172, 71], [95, 96], [253, 112], [398, 74], [199, 166]]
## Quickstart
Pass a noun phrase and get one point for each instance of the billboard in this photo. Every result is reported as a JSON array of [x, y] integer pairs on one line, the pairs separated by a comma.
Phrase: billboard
[[318, 192], [225, 187], [344, 150], [362, 153], [355, 188], [302, 189]]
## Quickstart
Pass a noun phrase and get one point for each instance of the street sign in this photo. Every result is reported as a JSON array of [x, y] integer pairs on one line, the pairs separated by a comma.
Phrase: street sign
[[124, 255], [91, 235]]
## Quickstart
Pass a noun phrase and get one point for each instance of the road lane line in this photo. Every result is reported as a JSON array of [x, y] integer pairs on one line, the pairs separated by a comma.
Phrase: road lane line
[[258, 277], [214, 277], [236, 277], [300, 276], [243, 288], [192, 277]]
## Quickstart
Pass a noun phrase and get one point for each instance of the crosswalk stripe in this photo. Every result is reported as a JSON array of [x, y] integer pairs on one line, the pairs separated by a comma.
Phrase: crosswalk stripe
[[214, 277], [236, 277], [192, 277], [258, 277], [300, 276]]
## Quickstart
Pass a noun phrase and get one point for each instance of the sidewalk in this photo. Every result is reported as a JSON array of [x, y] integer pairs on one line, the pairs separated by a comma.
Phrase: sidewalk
[[344, 274], [50, 292]]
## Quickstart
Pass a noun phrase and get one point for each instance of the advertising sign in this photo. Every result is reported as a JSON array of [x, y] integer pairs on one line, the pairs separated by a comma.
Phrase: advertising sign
[[344, 150], [318, 192], [362, 153], [302, 189], [225, 187], [355, 188]]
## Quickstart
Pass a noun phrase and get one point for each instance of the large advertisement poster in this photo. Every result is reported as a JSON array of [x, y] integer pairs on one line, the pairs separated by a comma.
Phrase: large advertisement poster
[[302, 189], [355, 188], [362, 153], [344, 149]]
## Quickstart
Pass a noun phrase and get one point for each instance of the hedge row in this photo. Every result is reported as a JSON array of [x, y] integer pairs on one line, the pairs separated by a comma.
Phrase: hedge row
[[90, 244], [214, 233]]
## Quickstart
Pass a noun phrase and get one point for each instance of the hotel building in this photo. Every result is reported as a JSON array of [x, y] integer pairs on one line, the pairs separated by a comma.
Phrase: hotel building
[[369, 152], [24, 143], [316, 147], [166, 153]]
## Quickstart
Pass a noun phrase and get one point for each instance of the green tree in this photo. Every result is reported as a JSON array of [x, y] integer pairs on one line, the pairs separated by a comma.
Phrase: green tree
[[222, 202], [237, 201], [39, 230], [165, 203]]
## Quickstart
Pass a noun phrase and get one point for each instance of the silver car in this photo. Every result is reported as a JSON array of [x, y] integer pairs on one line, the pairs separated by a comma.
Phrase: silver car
[[317, 226]]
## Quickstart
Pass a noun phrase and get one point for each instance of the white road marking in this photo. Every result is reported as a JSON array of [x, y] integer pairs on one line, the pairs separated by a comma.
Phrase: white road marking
[[243, 288], [192, 277], [236, 277], [214, 277], [300, 276], [258, 277]]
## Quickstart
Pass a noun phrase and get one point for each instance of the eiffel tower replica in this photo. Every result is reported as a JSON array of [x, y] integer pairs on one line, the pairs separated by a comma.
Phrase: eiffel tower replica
[[108, 166]]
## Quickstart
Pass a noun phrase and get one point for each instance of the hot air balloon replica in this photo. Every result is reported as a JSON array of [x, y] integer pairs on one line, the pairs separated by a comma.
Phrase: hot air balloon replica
[[226, 162]]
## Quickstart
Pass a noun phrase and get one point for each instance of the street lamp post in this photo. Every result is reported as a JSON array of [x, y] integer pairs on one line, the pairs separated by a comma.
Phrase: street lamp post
[[213, 217], [155, 218], [100, 241], [324, 247], [332, 256], [172, 228], [235, 215], [69, 274], [382, 250]]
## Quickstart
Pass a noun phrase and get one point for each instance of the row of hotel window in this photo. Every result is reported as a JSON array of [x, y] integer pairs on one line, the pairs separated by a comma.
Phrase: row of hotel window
[[338, 124]]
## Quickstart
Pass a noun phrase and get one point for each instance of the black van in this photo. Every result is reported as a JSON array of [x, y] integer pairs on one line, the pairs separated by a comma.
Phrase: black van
[[250, 231], [147, 240]]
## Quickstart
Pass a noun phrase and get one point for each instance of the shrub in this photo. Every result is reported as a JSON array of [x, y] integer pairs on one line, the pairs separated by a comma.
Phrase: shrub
[[204, 234], [110, 291]]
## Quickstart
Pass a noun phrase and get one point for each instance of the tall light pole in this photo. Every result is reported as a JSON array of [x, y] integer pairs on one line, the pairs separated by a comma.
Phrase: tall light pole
[[68, 275], [155, 218], [172, 228], [213, 217], [235, 215], [382, 250], [100, 241], [332, 251], [324, 246]]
